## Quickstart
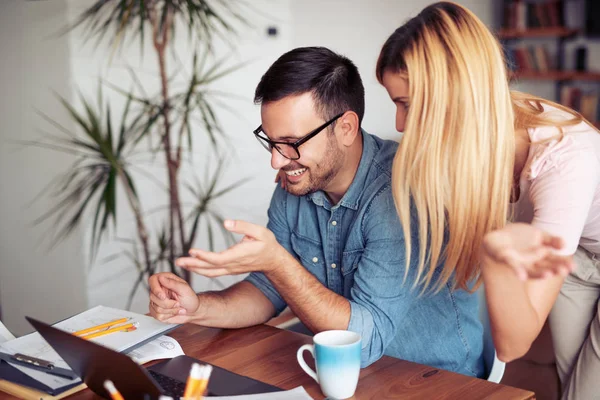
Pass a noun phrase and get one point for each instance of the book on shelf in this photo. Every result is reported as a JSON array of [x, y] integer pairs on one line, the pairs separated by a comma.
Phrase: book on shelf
[[523, 15], [587, 103], [529, 58]]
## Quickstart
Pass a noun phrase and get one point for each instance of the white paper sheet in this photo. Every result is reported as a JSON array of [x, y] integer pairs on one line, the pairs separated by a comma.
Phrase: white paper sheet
[[119, 341], [295, 394], [160, 348], [5, 334]]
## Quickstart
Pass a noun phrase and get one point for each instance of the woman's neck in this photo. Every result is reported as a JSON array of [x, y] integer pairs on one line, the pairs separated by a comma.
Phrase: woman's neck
[[522, 143]]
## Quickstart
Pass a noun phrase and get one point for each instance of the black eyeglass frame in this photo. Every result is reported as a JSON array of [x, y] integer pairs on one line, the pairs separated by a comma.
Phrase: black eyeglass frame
[[269, 144]]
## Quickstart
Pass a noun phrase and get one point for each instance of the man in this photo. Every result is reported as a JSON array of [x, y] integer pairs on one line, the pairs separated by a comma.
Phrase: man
[[333, 250]]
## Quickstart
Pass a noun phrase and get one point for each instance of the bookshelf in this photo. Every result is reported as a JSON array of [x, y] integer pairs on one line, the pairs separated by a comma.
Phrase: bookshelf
[[527, 23], [555, 75], [548, 32]]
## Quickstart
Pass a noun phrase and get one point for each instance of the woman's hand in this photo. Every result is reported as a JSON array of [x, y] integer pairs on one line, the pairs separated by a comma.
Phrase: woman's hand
[[527, 250], [280, 178]]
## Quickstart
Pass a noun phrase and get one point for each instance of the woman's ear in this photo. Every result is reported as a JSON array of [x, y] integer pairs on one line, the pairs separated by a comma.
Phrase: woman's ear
[[349, 126]]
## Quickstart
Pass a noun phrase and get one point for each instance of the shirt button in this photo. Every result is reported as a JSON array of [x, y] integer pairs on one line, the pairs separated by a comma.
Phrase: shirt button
[[333, 265], [334, 223], [315, 259]]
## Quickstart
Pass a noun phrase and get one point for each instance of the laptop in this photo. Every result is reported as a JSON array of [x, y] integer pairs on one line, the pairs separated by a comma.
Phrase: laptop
[[94, 364]]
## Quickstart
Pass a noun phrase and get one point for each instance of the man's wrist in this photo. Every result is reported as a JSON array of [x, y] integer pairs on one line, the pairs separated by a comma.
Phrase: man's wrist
[[199, 314], [280, 262]]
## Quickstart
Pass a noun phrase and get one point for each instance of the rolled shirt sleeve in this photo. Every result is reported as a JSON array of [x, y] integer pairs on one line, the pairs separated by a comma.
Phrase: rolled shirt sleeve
[[278, 225], [263, 284]]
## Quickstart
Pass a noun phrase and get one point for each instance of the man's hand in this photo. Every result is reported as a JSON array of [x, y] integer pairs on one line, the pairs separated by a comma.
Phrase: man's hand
[[528, 251], [257, 251], [172, 299]]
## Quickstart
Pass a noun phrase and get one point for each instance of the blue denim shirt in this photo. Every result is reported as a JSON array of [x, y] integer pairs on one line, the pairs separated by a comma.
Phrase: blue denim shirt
[[356, 249]]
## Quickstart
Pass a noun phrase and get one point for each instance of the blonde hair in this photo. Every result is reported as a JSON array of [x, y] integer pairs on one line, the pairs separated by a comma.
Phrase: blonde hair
[[453, 171]]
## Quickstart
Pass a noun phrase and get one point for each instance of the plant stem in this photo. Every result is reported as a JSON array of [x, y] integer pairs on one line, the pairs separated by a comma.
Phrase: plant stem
[[141, 227], [171, 161]]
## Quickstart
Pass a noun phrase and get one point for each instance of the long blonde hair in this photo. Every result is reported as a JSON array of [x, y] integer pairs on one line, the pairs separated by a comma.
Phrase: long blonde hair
[[453, 170]]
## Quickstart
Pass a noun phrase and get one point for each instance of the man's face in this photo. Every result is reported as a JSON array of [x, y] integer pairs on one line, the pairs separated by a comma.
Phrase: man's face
[[321, 157]]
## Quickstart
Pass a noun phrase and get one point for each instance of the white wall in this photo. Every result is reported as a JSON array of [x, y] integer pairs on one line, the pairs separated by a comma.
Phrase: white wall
[[35, 281]]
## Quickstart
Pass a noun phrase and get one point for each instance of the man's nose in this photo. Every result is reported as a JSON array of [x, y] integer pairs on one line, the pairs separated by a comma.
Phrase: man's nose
[[277, 160]]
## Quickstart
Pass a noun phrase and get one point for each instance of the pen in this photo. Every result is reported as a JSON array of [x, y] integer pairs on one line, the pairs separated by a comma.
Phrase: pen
[[98, 327], [111, 330], [193, 381], [206, 371], [38, 364], [110, 388]]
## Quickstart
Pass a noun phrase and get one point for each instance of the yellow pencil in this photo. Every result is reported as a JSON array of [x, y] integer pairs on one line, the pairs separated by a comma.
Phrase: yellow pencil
[[111, 330], [98, 327], [112, 390], [206, 371], [193, 381]]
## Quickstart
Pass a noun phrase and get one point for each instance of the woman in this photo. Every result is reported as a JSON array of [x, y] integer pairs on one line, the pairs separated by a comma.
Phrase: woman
[[474, 153]]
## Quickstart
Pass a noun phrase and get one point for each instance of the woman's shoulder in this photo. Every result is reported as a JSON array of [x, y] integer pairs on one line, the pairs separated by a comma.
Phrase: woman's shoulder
[[554, 147]]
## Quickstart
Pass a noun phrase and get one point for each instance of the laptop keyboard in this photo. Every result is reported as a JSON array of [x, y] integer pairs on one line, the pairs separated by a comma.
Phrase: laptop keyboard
[[171, 387]]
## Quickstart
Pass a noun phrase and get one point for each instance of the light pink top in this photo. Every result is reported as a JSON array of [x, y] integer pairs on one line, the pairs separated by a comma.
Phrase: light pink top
[[560, 184]]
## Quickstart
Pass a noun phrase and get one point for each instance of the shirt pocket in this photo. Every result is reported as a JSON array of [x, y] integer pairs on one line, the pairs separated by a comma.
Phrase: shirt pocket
[[350, 261], [310, 253]]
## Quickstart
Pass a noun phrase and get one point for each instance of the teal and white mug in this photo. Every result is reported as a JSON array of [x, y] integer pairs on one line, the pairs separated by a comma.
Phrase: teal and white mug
[[337, 359]]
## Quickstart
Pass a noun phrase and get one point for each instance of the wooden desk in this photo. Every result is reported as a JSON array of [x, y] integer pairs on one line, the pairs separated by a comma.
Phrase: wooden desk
[[268, 354]]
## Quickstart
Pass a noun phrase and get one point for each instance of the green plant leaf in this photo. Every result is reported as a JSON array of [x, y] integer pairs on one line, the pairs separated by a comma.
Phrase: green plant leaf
[[113, 19], [94, 174]]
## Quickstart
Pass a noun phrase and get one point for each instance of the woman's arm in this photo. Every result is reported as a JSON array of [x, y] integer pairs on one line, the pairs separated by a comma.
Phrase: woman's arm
[[518, 303], [561, 192]]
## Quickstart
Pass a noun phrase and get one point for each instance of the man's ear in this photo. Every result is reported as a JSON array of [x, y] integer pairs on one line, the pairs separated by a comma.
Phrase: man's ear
[[349, 127]]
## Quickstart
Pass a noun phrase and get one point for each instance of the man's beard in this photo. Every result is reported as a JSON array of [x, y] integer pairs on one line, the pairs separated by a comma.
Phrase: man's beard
[[328, 169]]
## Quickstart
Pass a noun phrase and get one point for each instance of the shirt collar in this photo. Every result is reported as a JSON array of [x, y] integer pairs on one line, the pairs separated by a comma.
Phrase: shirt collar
[[354, 192]]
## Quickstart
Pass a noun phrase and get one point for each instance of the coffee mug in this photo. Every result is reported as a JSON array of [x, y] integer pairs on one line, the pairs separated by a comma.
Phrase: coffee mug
[[337, 358]]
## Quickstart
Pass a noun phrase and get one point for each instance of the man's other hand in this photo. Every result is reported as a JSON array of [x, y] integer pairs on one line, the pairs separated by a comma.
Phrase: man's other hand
[[258, 251], [172, 299]]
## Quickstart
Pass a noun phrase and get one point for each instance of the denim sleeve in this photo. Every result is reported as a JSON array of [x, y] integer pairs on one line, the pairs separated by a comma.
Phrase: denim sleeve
[[380, 298], [279, 226]]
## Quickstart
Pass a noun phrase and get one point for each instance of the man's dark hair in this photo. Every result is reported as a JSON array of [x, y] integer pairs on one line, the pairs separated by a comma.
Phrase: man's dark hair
[[333, 80]]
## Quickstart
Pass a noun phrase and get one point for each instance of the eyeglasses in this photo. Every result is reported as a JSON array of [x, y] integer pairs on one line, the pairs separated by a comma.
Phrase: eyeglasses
[[287, 149]]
